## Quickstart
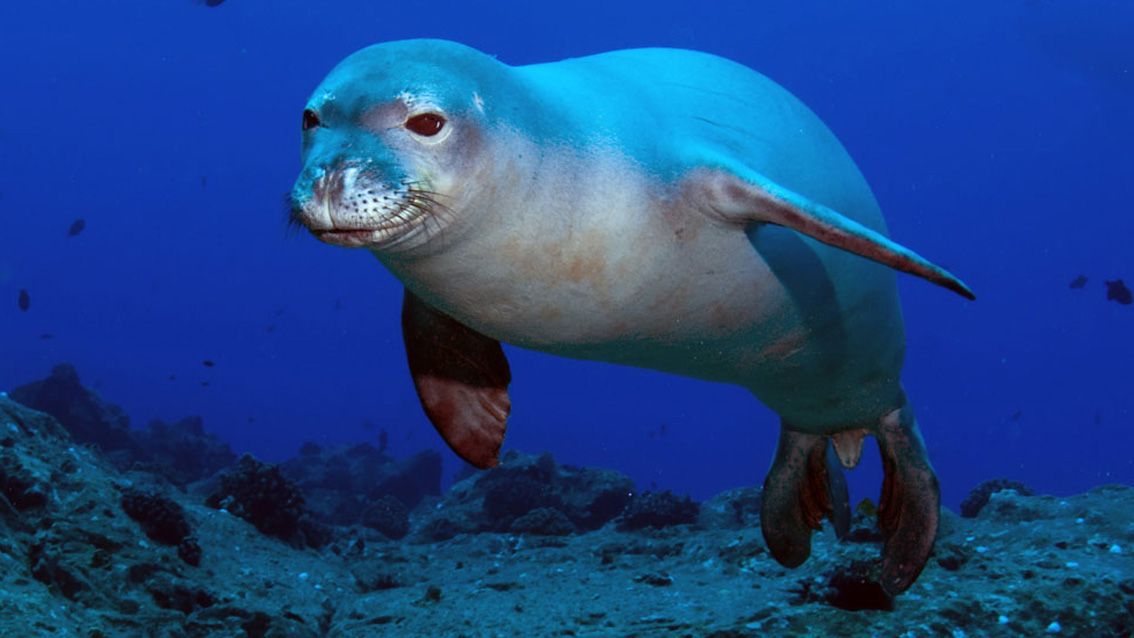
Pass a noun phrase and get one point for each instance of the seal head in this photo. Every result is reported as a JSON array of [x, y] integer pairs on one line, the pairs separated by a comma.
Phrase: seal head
[[391, 141]]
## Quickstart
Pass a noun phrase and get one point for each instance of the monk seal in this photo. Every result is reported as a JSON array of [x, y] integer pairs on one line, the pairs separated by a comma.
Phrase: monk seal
[[659, 208]]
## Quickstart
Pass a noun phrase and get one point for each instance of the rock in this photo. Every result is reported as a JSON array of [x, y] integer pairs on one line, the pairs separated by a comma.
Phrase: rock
[[82, 412], [856, 587], [592, 497], [543, 521], [441, 528], [20, 424], [387, 515], [493, 500], [75, 564], [48, 565], [1008, 505], [657, 580], [410, 479], [951, 556], [374, 575], [737, 508], [170, 593], [509, 498], [182, 452], [658, 509], [978, 498], [261, 494], [340, 482], [163, 520], [25, 482]]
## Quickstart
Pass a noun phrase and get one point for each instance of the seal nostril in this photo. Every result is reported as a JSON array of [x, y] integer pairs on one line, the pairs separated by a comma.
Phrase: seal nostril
[[310, 119]]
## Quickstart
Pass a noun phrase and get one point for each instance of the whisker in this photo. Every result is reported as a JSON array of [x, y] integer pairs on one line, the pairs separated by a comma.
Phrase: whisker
[[292, 223]]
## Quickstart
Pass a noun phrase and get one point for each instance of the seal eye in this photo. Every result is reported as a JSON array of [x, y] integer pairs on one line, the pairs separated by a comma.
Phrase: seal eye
[[427, 124], [310, 119]]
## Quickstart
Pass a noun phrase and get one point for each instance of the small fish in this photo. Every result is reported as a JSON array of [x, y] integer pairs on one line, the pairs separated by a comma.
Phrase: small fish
[[45, 336], [24, 301], [204, 182], [383, 440], [271, 328], [204, 384], [1117, 291], [211, 3], [1017, 414], [77, 227], [172, 377], [1078, 282], [1098, 418], [208, 363]]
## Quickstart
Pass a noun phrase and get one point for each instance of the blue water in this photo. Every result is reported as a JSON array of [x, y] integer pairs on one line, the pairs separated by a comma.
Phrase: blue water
[[997, 137]]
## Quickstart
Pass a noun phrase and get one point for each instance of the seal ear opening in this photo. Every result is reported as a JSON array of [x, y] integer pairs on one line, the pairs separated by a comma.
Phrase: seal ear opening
[[752, 198], [461, 378]]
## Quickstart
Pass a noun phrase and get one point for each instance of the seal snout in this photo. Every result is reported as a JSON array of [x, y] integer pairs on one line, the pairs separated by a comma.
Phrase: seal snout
[[351, 205], [328, 189], [330, 203]]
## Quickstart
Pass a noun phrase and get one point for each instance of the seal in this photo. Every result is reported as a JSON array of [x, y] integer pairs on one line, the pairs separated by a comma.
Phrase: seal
[[659, 208]]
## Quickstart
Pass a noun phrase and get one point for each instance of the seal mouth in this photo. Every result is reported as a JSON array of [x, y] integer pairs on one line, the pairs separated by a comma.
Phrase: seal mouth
[[376, 216], [349, 238]]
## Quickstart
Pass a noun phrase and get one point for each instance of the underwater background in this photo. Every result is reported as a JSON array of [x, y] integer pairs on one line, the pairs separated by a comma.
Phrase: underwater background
[[996, 136]]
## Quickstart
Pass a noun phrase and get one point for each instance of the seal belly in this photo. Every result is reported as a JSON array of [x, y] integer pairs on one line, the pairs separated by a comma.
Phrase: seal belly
[[814, 332]]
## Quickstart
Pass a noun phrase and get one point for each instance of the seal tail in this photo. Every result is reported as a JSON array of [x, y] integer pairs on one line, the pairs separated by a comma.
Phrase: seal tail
[[805, 485]]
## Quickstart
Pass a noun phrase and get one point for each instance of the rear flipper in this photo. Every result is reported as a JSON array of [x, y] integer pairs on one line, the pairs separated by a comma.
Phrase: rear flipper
[[910, 503], [805, 484]]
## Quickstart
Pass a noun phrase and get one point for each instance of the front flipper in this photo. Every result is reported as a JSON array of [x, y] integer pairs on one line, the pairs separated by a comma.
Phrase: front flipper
[[462, 380], [745, 197], [804, 485], [910, 504]]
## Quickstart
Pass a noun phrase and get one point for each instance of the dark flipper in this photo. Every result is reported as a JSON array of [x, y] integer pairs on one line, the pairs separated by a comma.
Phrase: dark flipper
[[462, 380], [910, 503], [798, 493]]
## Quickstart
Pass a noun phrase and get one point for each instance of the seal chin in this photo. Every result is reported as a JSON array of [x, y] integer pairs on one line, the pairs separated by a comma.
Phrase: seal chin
[[350, 238]]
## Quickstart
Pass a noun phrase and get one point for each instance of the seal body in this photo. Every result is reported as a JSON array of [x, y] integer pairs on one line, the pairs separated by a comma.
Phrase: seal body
[[609, 253], [657, 208]]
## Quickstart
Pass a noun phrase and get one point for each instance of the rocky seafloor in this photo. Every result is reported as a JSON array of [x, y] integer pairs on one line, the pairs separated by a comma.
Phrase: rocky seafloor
[[108, 530]]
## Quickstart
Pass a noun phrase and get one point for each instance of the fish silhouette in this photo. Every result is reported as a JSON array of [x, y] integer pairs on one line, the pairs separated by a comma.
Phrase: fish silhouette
[[1117, 291], [77, 227], [1078, 282], [24, 301]]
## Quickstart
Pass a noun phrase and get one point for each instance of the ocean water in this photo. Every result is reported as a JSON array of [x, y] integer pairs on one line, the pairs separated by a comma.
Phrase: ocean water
[[996, 136]]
